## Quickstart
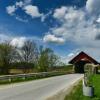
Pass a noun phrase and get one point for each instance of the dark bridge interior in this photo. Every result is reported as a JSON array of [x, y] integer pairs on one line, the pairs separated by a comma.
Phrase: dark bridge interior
[[79, 66]]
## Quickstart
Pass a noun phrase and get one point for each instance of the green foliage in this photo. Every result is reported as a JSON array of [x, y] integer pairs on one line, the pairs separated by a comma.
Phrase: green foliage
[[6, 51], [28, 55], [47, 59]]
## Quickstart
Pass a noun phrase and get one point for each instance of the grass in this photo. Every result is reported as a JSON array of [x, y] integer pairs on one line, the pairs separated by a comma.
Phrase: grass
[[76, 93]]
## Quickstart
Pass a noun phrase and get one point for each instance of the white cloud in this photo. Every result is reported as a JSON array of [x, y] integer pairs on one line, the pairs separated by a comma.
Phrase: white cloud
[[60, 12], [44, 16], [53, 38], [93, 6], [74, 15], [11, 9], [58, 31], [75, 27], [33, 11], [98, 20], [26, 7], [21, 19], [80, 28], [70, 14], [27, 2], [18, 42], [70, 55], [19, 4]]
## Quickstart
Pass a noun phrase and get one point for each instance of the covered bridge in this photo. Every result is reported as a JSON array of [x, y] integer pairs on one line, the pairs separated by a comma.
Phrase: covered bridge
[[80, 60]]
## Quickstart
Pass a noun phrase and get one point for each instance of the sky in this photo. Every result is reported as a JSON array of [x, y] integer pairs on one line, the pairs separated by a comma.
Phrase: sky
[[66, 26]]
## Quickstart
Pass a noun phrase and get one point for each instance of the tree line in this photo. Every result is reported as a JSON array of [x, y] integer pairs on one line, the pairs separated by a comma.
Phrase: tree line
[[30, 54]]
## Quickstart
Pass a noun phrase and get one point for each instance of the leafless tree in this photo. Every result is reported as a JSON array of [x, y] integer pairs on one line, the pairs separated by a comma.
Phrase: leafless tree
[[29, 52]]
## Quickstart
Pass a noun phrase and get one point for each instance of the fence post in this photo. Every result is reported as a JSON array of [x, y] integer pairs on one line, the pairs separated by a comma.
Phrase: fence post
[[9, 79]]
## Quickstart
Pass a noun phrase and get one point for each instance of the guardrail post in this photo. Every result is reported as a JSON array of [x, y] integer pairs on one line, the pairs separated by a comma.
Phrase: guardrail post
[[9, 79], [24, 77]]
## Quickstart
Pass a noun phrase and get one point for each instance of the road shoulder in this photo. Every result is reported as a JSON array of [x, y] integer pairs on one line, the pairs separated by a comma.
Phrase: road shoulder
[[61, 94]]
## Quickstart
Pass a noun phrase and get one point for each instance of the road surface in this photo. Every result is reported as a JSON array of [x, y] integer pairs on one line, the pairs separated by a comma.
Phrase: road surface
[[38, 89]]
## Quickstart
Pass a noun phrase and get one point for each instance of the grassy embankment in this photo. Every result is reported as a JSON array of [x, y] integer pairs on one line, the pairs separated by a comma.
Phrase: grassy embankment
[[76, 93]]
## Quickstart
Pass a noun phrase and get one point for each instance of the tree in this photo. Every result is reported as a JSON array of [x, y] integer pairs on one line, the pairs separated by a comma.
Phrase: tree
[[47, 59], [53, 59], [28, 53], [6, 56]]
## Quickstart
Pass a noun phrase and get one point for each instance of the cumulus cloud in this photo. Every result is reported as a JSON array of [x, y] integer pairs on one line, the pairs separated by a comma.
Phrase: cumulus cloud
[[19, 4], [70, 54], [98, 20], [33, 11], [75, 26], [27, 7], [93, 6], [11, 9], [18, 42], [81, 26], [59, 31], [60, 12], [53, 38]]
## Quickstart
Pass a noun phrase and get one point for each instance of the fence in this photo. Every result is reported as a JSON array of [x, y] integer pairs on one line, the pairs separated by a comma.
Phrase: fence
[[30, 75]]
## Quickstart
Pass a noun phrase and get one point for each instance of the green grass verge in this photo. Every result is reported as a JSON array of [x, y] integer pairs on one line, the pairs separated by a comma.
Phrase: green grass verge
[[76, 93]]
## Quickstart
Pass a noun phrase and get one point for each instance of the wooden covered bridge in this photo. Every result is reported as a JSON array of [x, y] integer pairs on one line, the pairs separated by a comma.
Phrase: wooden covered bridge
[[80, 60]]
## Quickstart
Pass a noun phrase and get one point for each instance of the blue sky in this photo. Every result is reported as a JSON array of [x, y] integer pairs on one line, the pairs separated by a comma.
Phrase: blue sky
[[66, 26]]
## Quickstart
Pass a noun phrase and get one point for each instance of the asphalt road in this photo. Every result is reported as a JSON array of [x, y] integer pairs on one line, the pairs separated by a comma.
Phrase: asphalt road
[[38, 89]]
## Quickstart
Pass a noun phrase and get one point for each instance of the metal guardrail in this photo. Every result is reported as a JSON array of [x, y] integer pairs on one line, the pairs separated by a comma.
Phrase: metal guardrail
[[24, 76]]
